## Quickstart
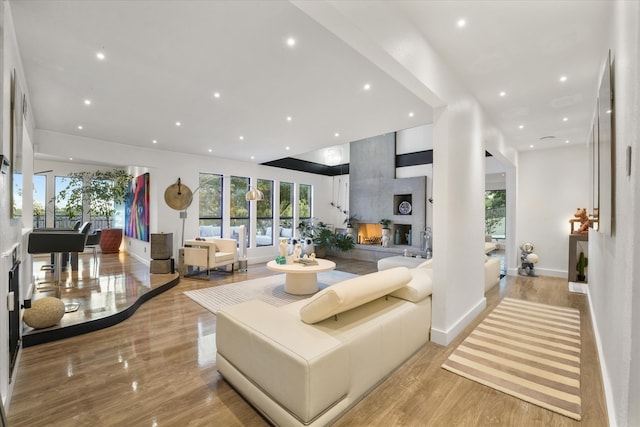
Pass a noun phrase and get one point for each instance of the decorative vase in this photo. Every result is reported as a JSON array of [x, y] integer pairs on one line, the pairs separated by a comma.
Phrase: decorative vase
[[385, 237], [308, 248], [397, 238], [110, 240], [283, 247]]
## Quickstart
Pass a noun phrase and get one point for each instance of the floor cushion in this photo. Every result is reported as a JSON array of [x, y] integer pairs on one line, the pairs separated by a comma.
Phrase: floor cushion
[[44, 312]]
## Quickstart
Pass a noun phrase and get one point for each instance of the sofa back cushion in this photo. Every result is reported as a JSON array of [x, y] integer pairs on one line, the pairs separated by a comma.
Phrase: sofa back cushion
[[418, 288], [352, 293]]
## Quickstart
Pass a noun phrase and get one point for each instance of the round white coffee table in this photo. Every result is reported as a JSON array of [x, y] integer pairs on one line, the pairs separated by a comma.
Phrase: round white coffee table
[[301, 279]]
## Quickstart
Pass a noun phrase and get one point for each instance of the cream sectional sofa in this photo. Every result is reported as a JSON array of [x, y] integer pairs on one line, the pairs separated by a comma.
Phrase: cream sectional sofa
[[306, 363], [491, 267]]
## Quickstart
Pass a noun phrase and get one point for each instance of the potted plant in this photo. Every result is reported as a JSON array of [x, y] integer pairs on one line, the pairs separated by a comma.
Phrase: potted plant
[[583, 262], [344, 242], [385, 223], [323, 239], [100, 192]]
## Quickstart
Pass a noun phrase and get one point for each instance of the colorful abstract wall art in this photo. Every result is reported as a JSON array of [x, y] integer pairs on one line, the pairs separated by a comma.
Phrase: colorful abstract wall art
[[137, 209]]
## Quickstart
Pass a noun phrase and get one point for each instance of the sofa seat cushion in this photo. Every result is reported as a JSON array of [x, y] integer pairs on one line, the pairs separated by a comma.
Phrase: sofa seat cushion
[[223, 256], [302, 368], [399, 261], [351, 293], [489, 247], [419, 288]]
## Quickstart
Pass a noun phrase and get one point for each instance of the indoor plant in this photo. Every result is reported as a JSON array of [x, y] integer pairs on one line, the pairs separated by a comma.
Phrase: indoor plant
[[343, 242], [583, 262], [100, 192], [323, 239]]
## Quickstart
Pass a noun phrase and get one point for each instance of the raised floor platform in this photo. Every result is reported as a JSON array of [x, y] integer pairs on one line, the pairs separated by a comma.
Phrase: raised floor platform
[[107, 290]]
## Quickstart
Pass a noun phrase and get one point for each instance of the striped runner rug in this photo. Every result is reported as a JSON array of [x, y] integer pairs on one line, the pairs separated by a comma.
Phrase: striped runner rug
[[528, 350]]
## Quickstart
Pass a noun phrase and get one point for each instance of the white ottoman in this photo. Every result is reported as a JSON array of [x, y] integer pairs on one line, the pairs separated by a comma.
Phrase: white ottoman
[[399, 261]]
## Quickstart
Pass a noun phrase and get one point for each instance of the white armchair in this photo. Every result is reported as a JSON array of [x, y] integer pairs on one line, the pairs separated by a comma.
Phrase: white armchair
[[211, 253]]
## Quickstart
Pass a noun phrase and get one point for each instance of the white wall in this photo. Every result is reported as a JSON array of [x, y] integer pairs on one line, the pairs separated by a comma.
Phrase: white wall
[[552, 184], [12, 232], [165, 167], [614, 284]]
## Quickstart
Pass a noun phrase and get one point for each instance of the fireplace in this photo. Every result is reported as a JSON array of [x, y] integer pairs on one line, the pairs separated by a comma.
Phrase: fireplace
[[369, 234], [14, 314]]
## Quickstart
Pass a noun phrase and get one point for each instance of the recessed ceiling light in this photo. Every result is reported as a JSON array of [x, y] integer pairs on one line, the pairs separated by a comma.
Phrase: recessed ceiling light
[[241, 137], [566, 119], [336, 134], [521, 127], [291, 42], [210, 150], [216, 94], [154, 141], [70, 158], [566, 141], [411, 114], [87, 102], [287, 148], [178, 124], [367, 86], [563, 78], [253, 157], [462, 23], [608, 111], [503, 93], [531, 146], [80, 127], [289, 118], [100, 56]]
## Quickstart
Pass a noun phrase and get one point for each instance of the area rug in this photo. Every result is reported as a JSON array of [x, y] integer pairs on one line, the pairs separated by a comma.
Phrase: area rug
[[268, 289], [528, 350]]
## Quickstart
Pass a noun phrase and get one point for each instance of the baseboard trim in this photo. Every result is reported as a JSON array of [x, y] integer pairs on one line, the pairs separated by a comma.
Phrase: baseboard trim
[[541, 272], [442, 337], [606, 382]]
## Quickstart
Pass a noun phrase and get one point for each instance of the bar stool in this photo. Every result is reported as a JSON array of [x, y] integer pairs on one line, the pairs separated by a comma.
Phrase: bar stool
[[57, 242]]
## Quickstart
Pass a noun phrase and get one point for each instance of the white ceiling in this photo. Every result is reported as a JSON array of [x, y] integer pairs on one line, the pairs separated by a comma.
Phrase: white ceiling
[[166, 59]]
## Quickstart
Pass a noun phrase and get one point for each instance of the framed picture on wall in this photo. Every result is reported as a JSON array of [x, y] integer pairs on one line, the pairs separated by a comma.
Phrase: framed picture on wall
[[15, 136], [605, 150]]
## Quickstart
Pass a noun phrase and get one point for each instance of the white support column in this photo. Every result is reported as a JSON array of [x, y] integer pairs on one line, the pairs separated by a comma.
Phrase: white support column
[[458, 222]]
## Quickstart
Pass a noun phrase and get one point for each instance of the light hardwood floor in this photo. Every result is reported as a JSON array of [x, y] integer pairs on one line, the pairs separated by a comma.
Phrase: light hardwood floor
[[157, 368]]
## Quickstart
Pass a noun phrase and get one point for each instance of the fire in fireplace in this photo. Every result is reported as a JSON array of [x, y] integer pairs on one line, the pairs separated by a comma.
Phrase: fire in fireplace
[[369, 234]]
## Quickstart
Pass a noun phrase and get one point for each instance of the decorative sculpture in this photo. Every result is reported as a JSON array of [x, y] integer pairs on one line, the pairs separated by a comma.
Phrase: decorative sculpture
[[528, 259], [581, 217]]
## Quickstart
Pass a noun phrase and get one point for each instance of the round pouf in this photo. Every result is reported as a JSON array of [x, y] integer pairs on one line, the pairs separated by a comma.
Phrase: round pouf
[[44, 312]]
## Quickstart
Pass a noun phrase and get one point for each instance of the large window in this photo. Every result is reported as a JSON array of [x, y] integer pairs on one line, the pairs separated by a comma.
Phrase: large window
[[39, 201], [495, 202], [210, 208], [286, 209], [239, 207], [65, 216], [304, 203], [264, 217]]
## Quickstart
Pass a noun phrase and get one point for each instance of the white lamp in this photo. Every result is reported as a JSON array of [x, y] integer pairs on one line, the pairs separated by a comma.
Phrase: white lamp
[[254, 194]]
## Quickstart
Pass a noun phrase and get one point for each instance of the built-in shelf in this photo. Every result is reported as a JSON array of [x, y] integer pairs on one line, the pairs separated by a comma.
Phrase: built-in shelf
[[402, 204]]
